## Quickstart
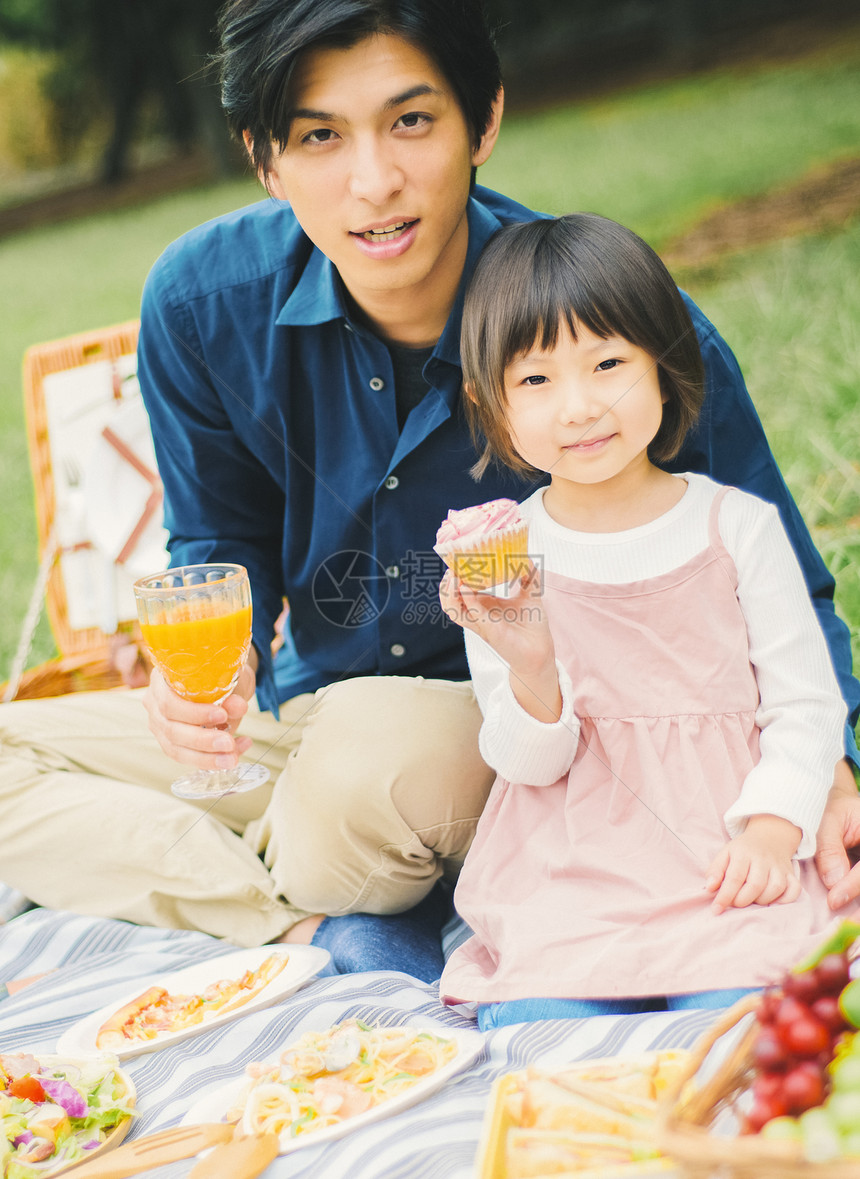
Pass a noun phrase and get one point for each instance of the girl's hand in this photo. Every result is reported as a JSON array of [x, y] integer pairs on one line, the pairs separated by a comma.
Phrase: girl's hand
[[756, 866], [516, 628]]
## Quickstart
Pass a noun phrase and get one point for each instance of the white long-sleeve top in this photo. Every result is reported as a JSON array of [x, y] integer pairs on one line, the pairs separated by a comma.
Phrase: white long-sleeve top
[[801, 712]]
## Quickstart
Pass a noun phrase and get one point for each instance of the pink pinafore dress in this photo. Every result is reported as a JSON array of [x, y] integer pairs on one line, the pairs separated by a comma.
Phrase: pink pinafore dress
[[594, 887]]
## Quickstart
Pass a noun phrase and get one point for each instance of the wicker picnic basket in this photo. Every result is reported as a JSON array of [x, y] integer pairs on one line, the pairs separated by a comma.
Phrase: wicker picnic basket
[[686, 1125], [84, 662]]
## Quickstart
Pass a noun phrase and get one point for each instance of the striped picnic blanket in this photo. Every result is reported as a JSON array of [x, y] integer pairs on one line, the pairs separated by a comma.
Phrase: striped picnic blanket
[[94, 961]]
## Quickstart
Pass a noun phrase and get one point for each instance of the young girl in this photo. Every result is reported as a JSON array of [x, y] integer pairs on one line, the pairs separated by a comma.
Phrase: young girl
[[658, 699]]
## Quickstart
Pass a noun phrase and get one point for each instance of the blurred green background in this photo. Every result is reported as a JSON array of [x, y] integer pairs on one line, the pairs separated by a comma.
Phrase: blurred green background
[[749, 131]]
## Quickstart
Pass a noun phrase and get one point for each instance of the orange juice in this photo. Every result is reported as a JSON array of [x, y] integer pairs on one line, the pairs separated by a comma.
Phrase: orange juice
[[199, 657]]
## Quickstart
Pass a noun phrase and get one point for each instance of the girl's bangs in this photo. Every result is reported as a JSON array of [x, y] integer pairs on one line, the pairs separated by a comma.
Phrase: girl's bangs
[[553, 293]]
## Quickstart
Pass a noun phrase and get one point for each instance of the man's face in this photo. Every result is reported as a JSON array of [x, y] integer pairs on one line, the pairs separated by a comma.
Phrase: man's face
[[377, 170]]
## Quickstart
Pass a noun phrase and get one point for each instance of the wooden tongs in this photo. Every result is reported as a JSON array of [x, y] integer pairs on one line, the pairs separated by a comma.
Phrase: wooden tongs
[[233, 1158]]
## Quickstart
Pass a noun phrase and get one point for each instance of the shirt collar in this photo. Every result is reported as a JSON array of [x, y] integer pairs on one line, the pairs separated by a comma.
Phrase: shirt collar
[[318, 295]]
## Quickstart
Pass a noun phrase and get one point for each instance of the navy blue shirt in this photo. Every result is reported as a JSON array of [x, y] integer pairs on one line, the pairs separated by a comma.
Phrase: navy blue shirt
[[275, 424]]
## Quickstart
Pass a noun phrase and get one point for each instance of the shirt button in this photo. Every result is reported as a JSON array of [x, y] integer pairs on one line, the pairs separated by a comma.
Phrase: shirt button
[[376, 383], [391, 482], [398, 650], [392, 571]]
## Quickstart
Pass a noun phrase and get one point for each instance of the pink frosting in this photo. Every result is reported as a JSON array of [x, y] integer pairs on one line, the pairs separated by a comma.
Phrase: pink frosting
[[478, 521]]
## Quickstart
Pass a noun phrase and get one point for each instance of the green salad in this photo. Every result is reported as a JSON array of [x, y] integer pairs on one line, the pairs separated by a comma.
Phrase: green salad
[[55, 1112]]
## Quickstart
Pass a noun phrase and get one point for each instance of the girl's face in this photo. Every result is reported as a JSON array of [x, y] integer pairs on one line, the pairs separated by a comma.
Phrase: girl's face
[[586, 410]]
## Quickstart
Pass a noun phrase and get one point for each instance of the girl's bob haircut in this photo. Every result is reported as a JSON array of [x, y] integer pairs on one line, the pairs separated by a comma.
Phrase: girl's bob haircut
[[580, 270]]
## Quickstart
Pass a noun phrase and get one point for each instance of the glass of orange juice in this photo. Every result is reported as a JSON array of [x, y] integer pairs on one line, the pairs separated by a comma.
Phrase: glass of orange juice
[[196, 622]]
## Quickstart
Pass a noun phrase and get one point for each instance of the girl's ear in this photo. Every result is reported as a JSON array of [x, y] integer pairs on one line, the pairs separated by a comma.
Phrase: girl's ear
[[469, 391]]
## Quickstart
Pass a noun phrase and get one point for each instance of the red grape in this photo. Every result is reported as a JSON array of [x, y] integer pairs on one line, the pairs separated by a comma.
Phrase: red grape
[[768, 1085], [803, 986], [769, 1052], [789, 1012], [765, 1111], [803, 1087], [807, 1036], [768, 1005], [832, 973], [826, 1008], [802, 1023]]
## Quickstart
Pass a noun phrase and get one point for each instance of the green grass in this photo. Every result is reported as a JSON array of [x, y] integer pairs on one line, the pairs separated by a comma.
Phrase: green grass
[[792, 314], [655, 158]]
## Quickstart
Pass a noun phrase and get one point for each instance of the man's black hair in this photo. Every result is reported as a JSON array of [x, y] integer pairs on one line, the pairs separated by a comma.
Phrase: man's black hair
[[261, 42]]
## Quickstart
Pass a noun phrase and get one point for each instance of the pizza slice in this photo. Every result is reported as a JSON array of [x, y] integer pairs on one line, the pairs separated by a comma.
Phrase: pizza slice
[[157, 1012]]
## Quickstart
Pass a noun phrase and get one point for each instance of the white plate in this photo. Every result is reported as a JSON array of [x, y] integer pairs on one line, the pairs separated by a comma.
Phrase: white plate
[[213, 1106], [303, 963]]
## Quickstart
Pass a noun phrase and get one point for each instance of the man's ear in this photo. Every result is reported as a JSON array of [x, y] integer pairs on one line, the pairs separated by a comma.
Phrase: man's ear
[[269, 180], [488, 140]]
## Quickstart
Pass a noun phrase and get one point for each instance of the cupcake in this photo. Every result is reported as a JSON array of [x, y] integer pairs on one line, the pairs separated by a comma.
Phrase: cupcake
[[486, 545]]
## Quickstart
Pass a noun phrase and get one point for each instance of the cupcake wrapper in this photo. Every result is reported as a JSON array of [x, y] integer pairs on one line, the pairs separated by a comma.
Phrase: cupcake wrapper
[[496, 559]]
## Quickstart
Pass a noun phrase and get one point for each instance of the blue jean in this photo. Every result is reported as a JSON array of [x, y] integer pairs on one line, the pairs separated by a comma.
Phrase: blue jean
[[410, 942], [497, 1015]]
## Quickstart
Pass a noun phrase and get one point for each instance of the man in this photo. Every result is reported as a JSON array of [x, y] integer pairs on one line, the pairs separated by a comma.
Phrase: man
[[300, 364]]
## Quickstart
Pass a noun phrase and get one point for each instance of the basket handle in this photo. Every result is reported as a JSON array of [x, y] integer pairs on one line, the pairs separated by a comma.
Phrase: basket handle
[[31, 618], [732, 1016], [729, 1019]]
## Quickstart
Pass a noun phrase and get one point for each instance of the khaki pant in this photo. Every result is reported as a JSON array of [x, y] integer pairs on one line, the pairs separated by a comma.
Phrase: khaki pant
[[376, 787]]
